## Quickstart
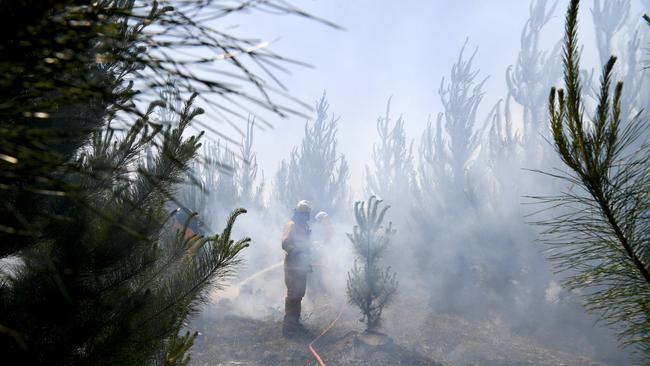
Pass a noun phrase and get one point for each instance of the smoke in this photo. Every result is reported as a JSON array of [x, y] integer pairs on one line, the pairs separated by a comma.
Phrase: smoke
[[457, 184], [258, 289]]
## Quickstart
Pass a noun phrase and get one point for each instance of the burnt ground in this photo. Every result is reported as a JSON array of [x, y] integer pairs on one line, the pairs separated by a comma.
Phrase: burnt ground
[[258, 342], [419, 338], [458, 341], [243, 327]]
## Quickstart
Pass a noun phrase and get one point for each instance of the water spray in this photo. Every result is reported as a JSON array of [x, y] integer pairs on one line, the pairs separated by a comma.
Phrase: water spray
[[232, 292]]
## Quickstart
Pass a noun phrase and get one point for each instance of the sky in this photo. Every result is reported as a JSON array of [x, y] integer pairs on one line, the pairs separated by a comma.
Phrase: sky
[[401, 49]]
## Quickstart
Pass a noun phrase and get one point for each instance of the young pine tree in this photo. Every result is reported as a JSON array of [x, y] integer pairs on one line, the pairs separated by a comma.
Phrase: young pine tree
[[609, 18], [92, 272], [619, 33], [250, 188], [445, 168], [315, 171], [445, 149], [393, 175], [112, 284], [211, 188], [370, 287], [219, 180], [528, 80], [600, 238]]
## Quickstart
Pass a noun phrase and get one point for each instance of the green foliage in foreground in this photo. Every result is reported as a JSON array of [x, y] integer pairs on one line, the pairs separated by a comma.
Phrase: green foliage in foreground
[[92, 271], [113, 283], [601, 236]]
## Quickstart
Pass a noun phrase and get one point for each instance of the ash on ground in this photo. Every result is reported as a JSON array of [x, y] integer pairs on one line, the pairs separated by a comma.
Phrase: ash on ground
[[419, 337]]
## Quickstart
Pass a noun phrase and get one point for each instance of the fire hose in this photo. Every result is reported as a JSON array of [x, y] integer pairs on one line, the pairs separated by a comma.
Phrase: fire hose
[[234, 292], [313, 351]]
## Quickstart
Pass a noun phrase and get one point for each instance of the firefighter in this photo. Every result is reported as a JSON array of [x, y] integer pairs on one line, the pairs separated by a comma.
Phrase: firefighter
[[325, 225], [193, 229], [322, 237], [295, 242], [188, 222]]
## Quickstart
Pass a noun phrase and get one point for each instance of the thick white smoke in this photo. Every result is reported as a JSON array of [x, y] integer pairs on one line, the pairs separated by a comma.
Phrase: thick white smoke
[[458, 185]]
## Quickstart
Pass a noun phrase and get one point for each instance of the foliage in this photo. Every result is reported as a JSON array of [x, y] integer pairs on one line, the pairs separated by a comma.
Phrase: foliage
[[500, 146], [445, 149], [68, 66], [211, 181], [177, 354], [250, 195], [619, 33], [444, 184], [315, 171], [609, 17], [110, 285], [91, 271], [220, 180], [529, 78], [600, 236], [369, 287], [393, 171]]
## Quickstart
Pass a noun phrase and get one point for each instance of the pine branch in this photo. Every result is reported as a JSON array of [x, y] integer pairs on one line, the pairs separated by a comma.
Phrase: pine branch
[[600, 239]]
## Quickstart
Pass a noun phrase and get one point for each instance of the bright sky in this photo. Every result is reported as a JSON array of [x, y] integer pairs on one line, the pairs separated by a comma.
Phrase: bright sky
[[389, 48]]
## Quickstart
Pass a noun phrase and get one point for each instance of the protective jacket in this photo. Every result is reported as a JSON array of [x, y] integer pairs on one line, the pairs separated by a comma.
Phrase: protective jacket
[[295, 242]]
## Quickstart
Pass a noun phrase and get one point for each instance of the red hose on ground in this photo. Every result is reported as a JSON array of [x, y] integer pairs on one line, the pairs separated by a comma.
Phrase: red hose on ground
[[311, 345]]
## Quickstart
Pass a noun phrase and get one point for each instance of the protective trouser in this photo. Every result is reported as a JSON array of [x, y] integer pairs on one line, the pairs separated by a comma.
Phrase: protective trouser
[[296, 281]]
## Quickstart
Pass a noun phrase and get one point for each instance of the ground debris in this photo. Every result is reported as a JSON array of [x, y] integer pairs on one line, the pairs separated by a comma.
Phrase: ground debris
[[421, 338], [259, 343]]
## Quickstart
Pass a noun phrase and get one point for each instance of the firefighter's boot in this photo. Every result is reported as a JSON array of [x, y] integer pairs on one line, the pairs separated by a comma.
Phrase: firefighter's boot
[[291, 327]]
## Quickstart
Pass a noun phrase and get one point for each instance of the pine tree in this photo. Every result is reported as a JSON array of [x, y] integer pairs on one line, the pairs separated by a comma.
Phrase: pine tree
[[171, 95], [619, 33], [529, 78], [211, 188], [250, 190], [68, 66], [92, 272], [220, 181], [609, 18], [315, 171], [445, 149], [599, 236], [111, 285], [370, 287], [500, 146], [445, 187], [393, 174], [281, 191]]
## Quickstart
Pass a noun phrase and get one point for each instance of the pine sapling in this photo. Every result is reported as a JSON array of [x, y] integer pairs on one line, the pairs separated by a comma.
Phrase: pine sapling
[[370, 287]]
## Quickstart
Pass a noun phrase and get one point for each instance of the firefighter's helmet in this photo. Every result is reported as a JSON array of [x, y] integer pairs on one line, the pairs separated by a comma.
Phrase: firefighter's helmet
[[303, 206], [321, 216]]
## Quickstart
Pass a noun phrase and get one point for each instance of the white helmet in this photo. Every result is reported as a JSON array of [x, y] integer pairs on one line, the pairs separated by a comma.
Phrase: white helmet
[[303, 206], [321, 216]]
